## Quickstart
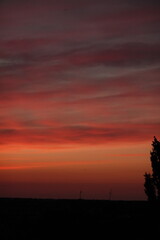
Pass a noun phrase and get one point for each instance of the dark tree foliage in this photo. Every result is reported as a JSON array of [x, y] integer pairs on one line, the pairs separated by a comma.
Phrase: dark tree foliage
[[149, 187], [155, 163], [152, 182]]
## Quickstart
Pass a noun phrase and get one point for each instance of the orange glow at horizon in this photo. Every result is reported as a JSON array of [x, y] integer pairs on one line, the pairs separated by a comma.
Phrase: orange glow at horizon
[[81, 166]]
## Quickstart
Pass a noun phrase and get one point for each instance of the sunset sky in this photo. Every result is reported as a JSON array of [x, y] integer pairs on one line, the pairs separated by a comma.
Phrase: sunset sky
[[79, 97]]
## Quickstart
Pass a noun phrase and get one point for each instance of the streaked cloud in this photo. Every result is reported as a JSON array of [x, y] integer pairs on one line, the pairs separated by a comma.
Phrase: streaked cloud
[[79, 71]]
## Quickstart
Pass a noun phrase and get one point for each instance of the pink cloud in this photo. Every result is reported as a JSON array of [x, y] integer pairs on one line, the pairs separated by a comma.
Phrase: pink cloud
[[80, 134]]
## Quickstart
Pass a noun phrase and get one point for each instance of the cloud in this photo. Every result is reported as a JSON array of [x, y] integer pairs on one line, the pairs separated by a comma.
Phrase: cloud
[[78, 64], [79, 134], [131, 54]]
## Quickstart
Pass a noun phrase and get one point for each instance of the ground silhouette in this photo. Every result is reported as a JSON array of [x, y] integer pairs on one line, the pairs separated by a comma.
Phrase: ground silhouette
[[78, 219]]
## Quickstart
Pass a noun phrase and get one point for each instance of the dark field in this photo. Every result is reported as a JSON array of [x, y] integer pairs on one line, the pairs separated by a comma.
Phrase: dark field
[[78, 219]]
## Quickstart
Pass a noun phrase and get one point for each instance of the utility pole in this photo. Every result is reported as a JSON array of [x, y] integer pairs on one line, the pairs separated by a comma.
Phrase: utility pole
[[80, 195], [110, 195]]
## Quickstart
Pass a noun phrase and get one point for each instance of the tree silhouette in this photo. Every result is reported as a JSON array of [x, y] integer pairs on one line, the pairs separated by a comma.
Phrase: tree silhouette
[[152, 182], [149, 187]]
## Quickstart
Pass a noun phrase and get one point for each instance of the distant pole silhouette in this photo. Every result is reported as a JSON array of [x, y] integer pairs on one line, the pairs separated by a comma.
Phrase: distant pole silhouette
[[80, 195], [110, 195]]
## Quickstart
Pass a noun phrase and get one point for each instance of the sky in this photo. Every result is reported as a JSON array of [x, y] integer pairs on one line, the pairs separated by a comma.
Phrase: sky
[[79, 97]]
